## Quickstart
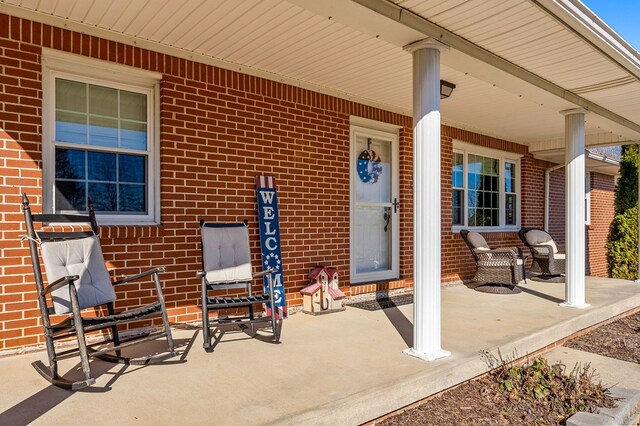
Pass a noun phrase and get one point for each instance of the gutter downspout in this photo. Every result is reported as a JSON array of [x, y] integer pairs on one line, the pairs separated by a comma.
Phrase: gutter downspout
[[547, 177]]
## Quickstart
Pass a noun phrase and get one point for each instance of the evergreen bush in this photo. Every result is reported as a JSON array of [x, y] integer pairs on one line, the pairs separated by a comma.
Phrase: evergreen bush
[[622, 247], [626, 195], [622, 244]]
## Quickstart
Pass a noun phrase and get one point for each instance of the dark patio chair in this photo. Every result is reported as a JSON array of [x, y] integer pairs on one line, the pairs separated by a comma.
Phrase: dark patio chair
[[77, 279], [548, 257], [498, 270], [226, 265]]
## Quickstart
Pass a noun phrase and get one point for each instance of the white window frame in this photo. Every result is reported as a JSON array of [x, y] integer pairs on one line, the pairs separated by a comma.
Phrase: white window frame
[[587, 198], [57, 64], [465, 149]]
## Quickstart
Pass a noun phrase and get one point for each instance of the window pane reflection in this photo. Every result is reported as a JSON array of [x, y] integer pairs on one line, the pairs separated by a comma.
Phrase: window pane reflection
[[104, 196], [101, 116], [70, 196], [113, 182], [70, 164], [102, 166]]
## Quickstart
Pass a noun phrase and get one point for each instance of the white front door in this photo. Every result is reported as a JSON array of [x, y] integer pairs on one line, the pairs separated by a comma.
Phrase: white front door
[[375, 210]]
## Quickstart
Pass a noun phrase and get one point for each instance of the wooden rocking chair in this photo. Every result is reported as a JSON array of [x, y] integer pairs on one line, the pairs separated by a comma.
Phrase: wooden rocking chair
[[226, 265], [77, 278]]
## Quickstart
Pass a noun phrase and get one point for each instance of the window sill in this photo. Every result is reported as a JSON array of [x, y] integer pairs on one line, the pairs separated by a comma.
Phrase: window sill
[[105, 222]]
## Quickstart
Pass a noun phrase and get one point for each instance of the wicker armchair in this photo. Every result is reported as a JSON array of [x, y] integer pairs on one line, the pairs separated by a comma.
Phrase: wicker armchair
[[499, 270], [548, 257]]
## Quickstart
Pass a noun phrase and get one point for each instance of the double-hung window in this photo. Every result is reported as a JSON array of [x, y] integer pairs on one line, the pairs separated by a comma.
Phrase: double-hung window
[[100, 139], [485, 187]]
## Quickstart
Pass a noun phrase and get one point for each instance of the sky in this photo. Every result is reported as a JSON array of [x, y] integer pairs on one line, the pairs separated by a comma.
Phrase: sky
[[621, 15]]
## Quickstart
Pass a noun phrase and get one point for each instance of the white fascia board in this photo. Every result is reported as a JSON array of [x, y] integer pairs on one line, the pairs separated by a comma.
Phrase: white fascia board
[[582, 21]]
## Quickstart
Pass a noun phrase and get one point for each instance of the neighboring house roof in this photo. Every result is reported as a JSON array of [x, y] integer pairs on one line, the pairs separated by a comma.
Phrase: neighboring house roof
[[612, 152]]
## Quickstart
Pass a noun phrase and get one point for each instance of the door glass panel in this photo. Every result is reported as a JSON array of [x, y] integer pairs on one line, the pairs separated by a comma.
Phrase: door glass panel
[[373, 170], [373, 242], [374, 209]]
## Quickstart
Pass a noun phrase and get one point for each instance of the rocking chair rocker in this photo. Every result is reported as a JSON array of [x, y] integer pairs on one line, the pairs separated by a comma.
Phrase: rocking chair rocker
[[78, 279]]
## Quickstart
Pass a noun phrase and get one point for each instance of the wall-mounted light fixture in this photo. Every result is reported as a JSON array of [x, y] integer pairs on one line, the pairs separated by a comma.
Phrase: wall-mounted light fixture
[[446, 89]]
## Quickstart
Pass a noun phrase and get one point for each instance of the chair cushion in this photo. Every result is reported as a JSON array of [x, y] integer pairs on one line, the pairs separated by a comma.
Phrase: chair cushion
[[477, 241], [226, 255], [82, 257], [536, 237], [559, 256]]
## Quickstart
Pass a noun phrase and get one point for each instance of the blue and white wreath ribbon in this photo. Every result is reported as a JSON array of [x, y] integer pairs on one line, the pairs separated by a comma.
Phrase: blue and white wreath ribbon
[[369, 166]]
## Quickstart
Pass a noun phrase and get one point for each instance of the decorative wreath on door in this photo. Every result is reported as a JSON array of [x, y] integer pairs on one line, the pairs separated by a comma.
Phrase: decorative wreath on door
[[369, 166]]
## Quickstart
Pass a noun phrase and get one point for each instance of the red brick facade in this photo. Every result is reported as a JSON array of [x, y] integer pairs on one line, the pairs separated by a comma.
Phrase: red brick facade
[[601, 214], [218, 130]]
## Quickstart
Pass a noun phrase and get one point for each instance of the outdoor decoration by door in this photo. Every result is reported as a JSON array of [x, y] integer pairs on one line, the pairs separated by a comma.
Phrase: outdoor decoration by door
[[374, 206]]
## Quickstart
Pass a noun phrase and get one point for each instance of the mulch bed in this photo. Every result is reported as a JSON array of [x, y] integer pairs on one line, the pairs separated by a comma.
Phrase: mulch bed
[[619, 339], [478, 403]]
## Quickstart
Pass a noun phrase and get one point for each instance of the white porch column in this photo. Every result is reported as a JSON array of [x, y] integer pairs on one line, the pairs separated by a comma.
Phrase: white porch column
[[427, 203], [575, 210]]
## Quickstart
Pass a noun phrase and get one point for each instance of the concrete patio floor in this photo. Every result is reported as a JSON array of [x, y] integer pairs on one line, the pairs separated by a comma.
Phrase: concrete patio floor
[[344, 368]]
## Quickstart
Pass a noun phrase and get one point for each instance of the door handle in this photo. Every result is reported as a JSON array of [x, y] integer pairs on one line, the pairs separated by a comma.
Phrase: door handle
[[396, 204], [387, 218]]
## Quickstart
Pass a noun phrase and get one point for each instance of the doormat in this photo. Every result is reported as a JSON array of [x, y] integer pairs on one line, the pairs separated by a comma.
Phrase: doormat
[[383, 302]]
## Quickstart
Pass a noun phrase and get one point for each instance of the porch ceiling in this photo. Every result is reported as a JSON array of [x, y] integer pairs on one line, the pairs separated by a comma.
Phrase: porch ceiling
[[348, 49]]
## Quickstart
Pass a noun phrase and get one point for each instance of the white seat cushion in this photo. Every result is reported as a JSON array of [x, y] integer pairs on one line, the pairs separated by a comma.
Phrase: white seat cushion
[[230, 274], [226, 254], [82, 257], [536, 237], [559, 256]]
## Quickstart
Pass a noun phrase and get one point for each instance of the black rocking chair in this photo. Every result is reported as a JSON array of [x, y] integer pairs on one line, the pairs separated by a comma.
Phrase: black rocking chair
[[77, 279], [226, 265]]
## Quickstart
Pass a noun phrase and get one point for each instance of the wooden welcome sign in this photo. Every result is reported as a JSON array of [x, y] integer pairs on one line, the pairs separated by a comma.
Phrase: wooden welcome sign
[[270, 241]]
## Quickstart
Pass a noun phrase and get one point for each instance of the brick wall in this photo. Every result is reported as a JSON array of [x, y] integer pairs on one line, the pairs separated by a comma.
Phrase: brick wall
[[557, 205], [602, 212], [219, 129]]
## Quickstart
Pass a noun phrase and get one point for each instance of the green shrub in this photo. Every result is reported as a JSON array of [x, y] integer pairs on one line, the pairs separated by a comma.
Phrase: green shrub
[[622, 246], [626, 195]]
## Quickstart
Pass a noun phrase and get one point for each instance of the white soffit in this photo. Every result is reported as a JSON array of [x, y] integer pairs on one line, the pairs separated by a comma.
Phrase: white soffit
[[345, 49], [593, 162], [529, 35]]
